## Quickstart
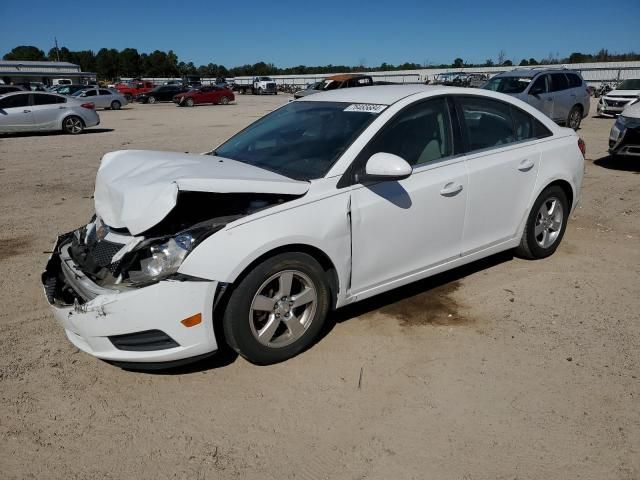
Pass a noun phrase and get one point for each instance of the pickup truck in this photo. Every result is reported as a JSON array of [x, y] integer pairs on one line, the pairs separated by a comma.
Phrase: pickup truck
[[131, 89], [258, 86]]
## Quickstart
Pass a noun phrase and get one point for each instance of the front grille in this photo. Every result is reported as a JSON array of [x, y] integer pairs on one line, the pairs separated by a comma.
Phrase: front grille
[[103, 251]]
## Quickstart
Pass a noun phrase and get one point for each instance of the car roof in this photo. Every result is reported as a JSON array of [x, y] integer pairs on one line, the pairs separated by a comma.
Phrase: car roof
[[527, 72], [345, 76], [377, 94]]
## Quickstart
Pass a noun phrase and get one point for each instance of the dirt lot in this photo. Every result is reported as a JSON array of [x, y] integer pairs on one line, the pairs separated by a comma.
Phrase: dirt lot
[[506, 369]]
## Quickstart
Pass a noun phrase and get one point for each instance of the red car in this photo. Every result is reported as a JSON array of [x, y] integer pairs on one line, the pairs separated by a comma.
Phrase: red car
[[205, 94]]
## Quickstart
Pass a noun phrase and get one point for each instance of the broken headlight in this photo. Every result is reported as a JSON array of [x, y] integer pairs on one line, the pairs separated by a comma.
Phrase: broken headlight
[[156, 259]]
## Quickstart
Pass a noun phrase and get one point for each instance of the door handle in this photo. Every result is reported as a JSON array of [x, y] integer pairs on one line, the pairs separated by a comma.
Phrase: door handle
[[61, 108], [26, 111], [525, 165], [451, 189]]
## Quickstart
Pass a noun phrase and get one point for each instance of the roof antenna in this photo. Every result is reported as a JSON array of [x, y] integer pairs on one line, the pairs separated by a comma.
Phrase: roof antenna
[[55, 39]]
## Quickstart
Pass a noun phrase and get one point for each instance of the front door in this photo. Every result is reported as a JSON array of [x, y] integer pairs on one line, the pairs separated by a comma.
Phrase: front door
[[540, 97], [400, 228], [15, 113]]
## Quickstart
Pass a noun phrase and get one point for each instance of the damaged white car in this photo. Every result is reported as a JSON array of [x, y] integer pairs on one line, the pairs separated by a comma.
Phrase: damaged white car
[[326, 201]]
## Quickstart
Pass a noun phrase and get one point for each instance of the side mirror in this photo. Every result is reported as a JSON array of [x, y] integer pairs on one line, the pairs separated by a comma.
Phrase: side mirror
[[386, 166]]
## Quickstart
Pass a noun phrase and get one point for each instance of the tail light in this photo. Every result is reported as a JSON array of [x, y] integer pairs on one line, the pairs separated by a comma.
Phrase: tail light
[[583, 147], [90, 106]]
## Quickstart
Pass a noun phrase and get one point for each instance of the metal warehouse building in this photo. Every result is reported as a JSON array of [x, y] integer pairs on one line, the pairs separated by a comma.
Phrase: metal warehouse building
[[18, 71]]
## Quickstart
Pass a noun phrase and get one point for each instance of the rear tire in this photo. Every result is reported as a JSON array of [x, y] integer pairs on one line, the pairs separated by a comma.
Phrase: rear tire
[[278, 309], [224, 101], [72, 125], [115, 105], [545, 225], [151, 99], [575, 117]]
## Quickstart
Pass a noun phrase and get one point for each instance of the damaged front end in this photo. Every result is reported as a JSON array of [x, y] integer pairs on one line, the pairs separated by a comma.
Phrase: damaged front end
[[113, 259], [120, 297]]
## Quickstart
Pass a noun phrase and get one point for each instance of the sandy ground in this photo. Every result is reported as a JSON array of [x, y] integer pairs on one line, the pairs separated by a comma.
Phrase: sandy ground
[[505, 369]]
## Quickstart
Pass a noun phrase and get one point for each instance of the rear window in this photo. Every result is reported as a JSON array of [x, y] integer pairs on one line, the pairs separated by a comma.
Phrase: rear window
[[574, 80], [559, 82]]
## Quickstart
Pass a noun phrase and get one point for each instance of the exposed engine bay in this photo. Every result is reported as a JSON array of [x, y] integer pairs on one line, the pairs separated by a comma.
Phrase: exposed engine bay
[[115, 259]]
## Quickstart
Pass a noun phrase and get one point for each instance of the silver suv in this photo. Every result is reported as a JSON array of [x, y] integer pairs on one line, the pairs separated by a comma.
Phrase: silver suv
[[561, 94]]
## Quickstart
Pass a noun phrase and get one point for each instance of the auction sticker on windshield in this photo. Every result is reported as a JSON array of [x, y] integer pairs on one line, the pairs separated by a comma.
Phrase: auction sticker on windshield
[[365, 107]]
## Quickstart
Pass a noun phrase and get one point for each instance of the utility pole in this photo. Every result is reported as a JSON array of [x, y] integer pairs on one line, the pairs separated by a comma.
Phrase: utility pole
[[55, 39]]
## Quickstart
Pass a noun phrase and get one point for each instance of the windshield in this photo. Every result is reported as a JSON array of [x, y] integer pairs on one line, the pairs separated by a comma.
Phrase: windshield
[[265, 79], [301, 140], [508, 84], [631, 84]]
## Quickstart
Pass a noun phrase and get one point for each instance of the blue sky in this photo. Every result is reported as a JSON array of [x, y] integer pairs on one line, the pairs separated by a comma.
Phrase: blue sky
[[288, 33]]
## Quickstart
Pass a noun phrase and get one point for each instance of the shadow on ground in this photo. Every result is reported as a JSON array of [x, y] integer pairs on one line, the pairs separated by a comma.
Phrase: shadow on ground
[[618, 163], [89, 130]]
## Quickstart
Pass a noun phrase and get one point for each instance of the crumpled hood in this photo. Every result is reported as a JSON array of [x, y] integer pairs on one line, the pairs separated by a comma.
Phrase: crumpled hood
[[136, 189]]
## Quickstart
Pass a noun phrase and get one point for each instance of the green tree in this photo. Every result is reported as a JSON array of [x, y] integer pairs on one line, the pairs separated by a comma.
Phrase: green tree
[[524, 62], [458, 63], [26, 53], [533, 61], [507, 63], [488, 63], [129, 61]]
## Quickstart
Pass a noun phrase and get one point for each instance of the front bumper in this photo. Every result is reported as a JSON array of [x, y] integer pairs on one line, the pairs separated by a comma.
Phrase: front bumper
[[611, 107], [625, 141], [98, 313]]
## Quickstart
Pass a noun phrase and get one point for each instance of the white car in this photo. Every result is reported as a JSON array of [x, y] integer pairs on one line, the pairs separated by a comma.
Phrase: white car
[[102, 98], [40, 111], [625, 94], [326, 201]]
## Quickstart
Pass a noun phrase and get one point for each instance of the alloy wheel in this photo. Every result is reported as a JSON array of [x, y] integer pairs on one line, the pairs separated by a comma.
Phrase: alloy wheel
[[548, 222], [73, 125], [283, 308]]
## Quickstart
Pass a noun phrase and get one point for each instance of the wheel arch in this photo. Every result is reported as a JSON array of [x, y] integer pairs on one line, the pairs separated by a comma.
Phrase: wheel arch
[[566, 188], [321, 257]]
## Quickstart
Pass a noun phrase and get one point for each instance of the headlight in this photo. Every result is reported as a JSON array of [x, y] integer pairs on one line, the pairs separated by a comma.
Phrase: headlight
[[156, 259], [627, 122]]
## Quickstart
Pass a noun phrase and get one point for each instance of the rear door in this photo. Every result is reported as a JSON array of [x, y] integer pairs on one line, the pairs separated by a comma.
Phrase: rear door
[[48, 111], [502, 162], [104, 98], [15, 113], [562, 99]]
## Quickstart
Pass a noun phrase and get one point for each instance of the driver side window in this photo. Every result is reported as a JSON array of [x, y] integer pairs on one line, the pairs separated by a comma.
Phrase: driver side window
[[421, 134], [540, 85]]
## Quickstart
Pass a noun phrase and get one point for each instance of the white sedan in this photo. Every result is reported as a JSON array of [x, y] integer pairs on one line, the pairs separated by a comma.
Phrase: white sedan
[[326, 201]]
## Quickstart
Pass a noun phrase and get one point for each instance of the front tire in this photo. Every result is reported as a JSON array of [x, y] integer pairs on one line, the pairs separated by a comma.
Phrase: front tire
[[72, 125], [151, 99], [224, 101], [545, 225], [278, 309], [190, 102]]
